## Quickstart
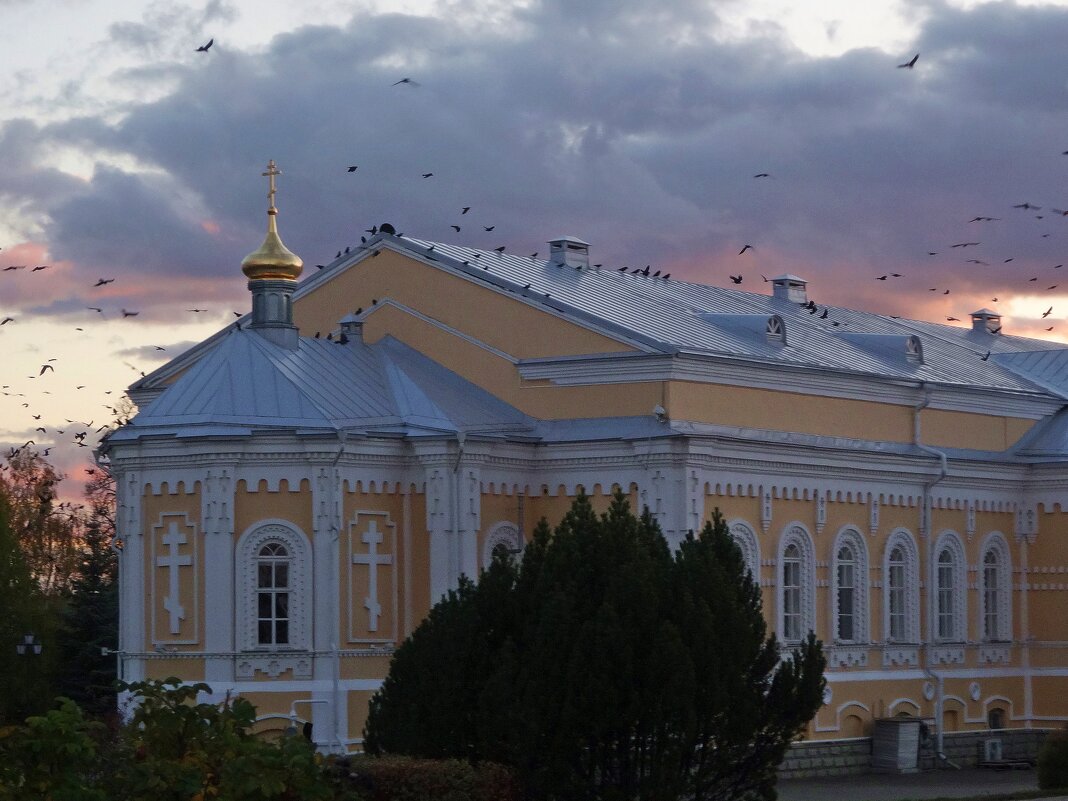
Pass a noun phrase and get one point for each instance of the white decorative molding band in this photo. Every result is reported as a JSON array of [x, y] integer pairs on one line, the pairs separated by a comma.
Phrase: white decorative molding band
[[901, 655]]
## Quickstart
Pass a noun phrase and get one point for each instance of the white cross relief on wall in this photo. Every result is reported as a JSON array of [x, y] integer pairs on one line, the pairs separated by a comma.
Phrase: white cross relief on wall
[[372, 538], [173, 561]]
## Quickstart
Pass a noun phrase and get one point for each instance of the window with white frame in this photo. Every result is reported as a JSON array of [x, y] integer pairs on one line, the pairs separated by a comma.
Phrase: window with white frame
[[273, 565], [273, 561], [995, 590], [746, 540], [949, 584], [849, 600], [901, 608], [796, 594]]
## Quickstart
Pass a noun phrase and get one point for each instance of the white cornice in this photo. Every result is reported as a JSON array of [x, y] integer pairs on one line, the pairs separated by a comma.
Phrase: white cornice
[[710, 369]]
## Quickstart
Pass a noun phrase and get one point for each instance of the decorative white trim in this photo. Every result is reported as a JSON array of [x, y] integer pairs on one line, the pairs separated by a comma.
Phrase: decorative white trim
[[796, 534], [901, 655], [903, 539], [849, 537], [947, 655], [994, 654], [176, 535], [246, 551], [949, 541], [274, 665], [362, 568], [505, 533], [845, 656], [746, 540], [996, 544]]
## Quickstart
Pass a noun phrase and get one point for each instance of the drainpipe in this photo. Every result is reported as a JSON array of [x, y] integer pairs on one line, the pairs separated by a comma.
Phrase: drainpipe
[[456, 553], [926, 663], [335, 655]]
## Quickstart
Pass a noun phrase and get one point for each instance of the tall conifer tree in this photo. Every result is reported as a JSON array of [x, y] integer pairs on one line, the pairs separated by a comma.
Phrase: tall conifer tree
[[606, 667]]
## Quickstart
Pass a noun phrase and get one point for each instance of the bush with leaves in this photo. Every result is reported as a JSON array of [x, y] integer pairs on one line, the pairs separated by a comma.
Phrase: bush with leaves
[[53, 757], [401, 778], [604, 666], [176, 748]]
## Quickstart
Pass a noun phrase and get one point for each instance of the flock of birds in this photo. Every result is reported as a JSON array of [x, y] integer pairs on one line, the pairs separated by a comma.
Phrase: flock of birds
[[79, 431]]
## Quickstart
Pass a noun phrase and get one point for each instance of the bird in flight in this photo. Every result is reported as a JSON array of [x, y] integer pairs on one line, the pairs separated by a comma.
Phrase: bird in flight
[[7, 320], [353, 168], [1046, 313], [38, 269], [456, 228], [735, 278], [206, 47], [910, 63], [465, 209], [762, 175], [129, 313], [46, 367], [103, 281], [407, 81], [964, 244], [1027, 206], [428, 175], [743, 250]]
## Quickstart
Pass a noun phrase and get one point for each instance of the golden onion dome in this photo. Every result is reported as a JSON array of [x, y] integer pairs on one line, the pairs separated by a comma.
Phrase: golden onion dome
[[272, 260]]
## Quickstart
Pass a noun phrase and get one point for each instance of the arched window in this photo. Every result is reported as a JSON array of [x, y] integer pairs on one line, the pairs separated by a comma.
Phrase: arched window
[[796, 585], [503, 536], [901, 587], [949, 584], [849, 601], [995, 590], [273, 569], [273, 589], [746, 540], [791, 593]]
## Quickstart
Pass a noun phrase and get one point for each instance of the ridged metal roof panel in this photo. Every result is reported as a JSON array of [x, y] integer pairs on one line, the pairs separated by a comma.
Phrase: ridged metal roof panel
[[680, 315]]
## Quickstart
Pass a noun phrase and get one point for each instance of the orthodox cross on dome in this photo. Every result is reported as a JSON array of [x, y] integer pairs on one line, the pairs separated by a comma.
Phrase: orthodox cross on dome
[[272, 171], [172, 561], [372, 538]]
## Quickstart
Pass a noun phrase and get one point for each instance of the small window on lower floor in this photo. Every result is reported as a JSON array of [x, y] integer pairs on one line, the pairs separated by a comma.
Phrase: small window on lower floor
[[995, 718]]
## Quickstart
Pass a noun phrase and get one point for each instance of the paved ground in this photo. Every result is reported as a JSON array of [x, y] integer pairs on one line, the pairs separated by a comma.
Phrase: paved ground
[[968, 783]]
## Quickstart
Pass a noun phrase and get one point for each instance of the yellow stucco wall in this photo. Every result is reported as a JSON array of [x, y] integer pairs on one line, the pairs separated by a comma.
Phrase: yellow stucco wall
[[495, 318], [255, 504]]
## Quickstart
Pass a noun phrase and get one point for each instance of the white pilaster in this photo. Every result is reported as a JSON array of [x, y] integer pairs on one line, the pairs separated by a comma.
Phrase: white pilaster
[[217, 503]]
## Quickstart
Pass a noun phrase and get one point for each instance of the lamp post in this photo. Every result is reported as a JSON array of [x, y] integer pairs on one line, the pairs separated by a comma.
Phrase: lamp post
[[30, 646]]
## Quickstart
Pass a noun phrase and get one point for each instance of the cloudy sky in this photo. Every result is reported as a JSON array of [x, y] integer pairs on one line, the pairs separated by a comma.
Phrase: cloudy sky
[[637, 126]]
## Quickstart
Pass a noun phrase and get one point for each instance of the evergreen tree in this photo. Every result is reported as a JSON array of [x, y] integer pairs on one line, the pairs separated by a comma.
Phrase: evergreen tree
[[605, 667], [20, 613]]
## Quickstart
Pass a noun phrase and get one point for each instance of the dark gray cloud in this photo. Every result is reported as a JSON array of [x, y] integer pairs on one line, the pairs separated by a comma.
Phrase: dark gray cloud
[[629, 124]]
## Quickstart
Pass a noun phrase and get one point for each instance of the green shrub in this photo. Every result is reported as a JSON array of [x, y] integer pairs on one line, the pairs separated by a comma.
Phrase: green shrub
[[400, 778], [1053, 761]]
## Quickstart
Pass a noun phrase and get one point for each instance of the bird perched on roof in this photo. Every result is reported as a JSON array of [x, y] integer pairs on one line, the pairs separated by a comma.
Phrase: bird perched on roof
[[910, 63], [206, 47], [500, 249]]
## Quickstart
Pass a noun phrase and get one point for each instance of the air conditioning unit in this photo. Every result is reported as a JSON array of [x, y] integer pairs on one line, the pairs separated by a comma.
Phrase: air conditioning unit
[[991, 749]]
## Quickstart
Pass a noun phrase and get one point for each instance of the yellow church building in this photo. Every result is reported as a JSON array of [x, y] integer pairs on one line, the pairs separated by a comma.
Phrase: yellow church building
[[299, 489]]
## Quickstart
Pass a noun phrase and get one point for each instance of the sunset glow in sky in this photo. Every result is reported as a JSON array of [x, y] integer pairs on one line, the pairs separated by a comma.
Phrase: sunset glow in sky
[[639, 127]]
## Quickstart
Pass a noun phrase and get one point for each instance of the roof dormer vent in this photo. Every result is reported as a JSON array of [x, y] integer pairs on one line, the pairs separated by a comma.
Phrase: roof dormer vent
[[569, 251], [987, 321], [790, 287]]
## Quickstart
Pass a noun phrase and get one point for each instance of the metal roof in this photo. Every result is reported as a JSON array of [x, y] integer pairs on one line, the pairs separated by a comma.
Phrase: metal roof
[[249, 382], [671, 315]]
